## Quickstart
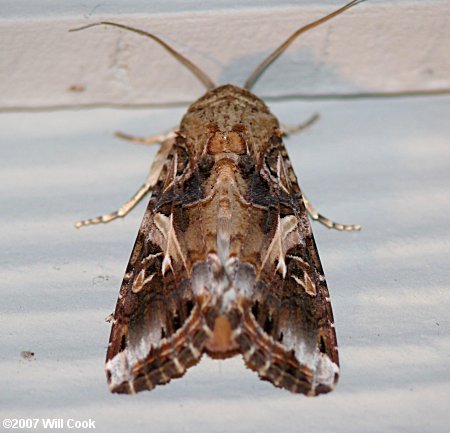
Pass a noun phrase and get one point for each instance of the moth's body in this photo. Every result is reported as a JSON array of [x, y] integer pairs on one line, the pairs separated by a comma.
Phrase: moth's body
[[225, 135], [225, 261]]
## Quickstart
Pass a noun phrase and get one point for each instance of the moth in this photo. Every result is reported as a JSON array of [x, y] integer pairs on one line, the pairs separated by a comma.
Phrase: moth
[[225, 261]]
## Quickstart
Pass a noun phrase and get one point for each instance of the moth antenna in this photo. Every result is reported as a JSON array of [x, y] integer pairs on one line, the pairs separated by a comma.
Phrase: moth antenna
[[209, 84], [275, 54]]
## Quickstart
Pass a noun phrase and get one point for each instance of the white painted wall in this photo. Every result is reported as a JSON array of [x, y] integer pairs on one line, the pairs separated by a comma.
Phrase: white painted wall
[[378, 46]]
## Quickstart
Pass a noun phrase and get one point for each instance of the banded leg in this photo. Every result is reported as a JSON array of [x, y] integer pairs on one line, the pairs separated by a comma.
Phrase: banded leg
[[316, 216], [155, 139], [151, 180], [293, 129]]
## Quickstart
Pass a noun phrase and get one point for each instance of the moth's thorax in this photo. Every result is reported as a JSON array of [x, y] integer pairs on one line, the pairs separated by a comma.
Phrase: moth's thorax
[[226, 142], [227, 119]]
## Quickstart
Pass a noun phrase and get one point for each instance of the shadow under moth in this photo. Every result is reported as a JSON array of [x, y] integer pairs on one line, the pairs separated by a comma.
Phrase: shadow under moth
[[225, 261]]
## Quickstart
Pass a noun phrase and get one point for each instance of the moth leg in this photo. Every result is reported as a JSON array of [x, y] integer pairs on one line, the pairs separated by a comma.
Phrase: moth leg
[[119, 213], [150, 182], [293, 129], [154, 139], [316, 216]]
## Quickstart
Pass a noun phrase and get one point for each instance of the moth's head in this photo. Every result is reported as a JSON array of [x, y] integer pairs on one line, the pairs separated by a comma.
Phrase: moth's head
[[229, 94]]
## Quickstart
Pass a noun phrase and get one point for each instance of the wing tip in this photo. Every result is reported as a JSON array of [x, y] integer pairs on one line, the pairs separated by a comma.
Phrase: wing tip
[[154, 370], [277, 364], [299, 380]]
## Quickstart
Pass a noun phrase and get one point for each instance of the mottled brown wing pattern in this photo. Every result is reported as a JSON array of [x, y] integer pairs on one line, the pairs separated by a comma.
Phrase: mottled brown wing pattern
[[156, 332], [289, 336]]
